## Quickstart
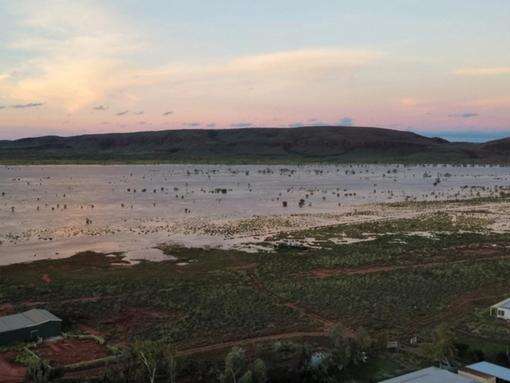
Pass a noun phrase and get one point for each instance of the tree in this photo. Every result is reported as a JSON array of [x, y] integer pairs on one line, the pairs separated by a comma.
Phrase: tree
[[155, 357], [122, 372], [259, 371], [364, 339], [442, 347], [342, 352], [361, 345], [170, 360], [238, 371], [235, 364], [247, 377], [347, 353], [39, 371]]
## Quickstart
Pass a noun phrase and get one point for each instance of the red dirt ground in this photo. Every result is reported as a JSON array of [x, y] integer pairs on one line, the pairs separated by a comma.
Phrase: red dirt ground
[[135, 318], [302, 309], [482, 257], [69, 351], [6, 309], [132, 315], [10, 372], [46, 279], [89, 330], [250, 341]]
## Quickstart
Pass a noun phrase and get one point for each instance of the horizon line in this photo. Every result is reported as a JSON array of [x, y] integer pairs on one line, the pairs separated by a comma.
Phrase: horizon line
[[466, 136]]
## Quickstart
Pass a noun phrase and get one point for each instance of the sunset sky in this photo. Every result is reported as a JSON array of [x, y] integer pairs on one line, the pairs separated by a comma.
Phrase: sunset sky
[[439, 67]]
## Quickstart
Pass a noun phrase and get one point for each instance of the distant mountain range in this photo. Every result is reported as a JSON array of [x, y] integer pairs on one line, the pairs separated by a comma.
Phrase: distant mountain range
[[253, 145]]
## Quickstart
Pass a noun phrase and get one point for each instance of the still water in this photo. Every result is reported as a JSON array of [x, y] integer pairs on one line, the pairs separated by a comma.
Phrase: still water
[[55, 211]]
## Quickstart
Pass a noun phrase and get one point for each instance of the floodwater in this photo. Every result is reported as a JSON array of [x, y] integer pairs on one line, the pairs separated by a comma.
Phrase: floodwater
[[56, 211]]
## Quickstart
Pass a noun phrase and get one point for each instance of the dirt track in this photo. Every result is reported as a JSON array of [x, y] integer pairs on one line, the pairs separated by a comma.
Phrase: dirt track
[[325, 273], [250, 341], [326, 323]]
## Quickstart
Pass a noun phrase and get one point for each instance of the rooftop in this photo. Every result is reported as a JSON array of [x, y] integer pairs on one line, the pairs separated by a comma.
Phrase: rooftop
[[503, 304], [430, 375], [26, 319], [491, 369]]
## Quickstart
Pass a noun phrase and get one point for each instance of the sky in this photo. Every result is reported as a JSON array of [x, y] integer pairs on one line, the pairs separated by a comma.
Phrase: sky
[[437, 67]]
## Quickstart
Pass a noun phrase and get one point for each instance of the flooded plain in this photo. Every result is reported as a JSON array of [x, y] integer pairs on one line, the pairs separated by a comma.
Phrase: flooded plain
[[56, 211]]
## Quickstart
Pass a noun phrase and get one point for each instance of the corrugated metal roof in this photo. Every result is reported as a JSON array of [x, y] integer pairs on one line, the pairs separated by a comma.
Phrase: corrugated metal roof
[[40, 316], [26, 319], [503, 304], [492, 369], [430, 375]]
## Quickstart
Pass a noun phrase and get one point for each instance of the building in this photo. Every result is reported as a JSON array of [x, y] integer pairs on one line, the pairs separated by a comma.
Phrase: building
[[485, 372], [501, 309], [431, 375], [478, 376], [28, 326]]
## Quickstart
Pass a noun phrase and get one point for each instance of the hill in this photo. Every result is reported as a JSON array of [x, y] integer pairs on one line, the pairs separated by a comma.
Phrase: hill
[[264, 145]]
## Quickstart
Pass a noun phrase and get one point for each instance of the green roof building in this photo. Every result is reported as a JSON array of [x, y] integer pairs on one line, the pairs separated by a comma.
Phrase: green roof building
[[29, 326]]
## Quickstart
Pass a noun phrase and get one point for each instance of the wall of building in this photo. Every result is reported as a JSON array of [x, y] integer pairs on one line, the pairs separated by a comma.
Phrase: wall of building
[[506, 313], [28, 334], [477, 377]]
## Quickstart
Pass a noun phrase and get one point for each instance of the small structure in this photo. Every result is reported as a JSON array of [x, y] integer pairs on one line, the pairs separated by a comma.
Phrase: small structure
[[485, 372], [393, 345], [501, 309], [317, 359], [29, 326], [430, 375]]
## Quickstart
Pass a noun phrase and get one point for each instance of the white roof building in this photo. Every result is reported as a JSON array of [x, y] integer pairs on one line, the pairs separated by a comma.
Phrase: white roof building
[[501, 309], [430, 375], [491, 372]]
